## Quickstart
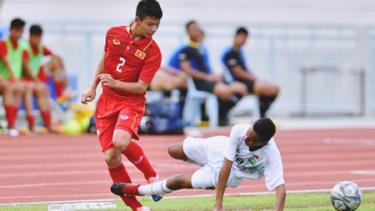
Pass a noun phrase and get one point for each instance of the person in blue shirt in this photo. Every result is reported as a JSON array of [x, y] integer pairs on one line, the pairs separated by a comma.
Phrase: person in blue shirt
[[172, 74], [235, 64], [193, 60]]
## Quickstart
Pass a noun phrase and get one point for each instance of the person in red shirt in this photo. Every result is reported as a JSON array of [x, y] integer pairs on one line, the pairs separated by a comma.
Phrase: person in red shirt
[[10, 68], [32, 67], [130, 61]]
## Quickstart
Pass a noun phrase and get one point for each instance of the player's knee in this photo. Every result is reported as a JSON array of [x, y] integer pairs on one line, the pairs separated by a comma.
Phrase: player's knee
[[223, 92], [239, 88], [18, 88], [172, 151], [176, 151], [121, 139], [112, 160], [39, 88]]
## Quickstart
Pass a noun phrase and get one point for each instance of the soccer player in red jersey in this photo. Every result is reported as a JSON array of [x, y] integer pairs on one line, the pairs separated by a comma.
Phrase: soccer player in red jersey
[[130, 61]]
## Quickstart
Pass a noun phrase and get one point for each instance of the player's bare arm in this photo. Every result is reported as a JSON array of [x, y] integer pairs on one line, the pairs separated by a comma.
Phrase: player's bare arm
[[280, 197], [222, 183], [169, 70], [139, 87], [5, 60], [186, 66], [89, 94], [242, 73]]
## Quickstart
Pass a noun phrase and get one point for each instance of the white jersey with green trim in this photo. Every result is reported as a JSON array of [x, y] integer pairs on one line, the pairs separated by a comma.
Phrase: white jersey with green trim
[[264, 162]]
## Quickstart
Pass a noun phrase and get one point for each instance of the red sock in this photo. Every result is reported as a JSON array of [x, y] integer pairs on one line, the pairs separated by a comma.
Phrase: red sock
[[59, 88], [31, 121], [14, 115], [11, 115], [46, 116], [135, 154], [119, 174]]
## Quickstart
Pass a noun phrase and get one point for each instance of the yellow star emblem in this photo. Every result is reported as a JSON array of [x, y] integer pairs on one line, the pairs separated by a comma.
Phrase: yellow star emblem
[[116, 42]]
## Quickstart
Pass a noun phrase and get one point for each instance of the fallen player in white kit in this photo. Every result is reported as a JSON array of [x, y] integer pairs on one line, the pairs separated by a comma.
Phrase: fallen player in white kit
[[249, 152]]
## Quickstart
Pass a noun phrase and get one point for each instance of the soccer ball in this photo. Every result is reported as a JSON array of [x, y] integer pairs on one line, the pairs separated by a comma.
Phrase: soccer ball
[[346, 196]]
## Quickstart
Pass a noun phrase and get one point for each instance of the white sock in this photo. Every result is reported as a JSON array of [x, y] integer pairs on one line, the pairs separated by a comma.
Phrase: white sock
[[159, 187]]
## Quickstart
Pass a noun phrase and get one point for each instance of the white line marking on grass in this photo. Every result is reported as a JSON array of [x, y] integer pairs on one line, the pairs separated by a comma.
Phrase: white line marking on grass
[[364, 189], [81, 206]]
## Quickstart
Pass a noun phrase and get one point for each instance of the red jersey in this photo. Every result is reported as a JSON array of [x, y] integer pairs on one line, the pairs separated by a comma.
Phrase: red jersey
[[3, 49], [129, 60]]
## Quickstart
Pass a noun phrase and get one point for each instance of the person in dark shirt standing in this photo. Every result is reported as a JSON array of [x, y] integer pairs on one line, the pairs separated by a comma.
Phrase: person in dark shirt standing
[[235, 63]]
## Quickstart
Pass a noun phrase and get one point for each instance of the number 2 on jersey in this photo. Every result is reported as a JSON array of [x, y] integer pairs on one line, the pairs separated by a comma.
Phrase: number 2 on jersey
[[120, 64]]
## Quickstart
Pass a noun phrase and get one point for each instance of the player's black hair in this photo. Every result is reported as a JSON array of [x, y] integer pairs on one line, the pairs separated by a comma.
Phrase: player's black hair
[[17, 23], [149, 8], [242, 30], [36, 30], [190, 22], [265, 129]]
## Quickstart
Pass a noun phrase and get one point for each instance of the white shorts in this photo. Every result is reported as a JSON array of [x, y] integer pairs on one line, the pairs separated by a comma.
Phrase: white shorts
[[208, 153]]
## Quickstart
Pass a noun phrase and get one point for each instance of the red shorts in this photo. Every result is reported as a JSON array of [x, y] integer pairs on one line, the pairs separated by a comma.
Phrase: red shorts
[[111, 114]]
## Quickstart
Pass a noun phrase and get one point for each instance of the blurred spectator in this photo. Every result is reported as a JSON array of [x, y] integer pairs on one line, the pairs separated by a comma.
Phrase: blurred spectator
[[10, 71], [55, 70], [32, 63], [234, 61], [168, 79], [193, 59]]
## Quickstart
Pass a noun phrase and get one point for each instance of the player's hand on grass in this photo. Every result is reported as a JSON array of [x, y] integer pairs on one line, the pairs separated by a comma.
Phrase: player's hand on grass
[[88, 95]]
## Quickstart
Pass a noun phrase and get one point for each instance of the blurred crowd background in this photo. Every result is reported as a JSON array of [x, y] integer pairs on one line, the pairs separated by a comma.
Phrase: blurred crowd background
[[320, 53]]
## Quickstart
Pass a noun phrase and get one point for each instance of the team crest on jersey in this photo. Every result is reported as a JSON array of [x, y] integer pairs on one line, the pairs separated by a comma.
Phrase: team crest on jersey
[[239, 161], [251, 161], [116, 42], [140, 54]]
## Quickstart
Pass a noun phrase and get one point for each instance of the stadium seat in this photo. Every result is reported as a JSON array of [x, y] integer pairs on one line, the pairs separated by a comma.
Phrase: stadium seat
[[192, 111]]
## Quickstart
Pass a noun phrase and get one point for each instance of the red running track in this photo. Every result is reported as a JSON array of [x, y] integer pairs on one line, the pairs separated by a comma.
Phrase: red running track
[[40, 168]]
